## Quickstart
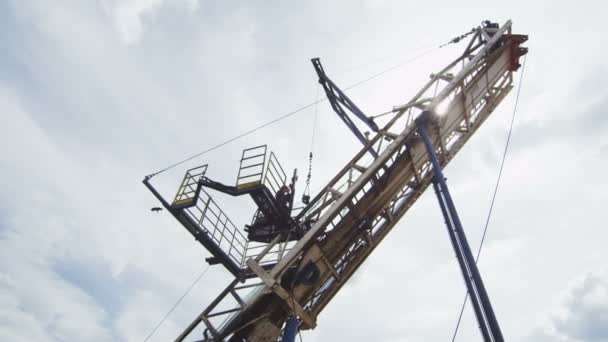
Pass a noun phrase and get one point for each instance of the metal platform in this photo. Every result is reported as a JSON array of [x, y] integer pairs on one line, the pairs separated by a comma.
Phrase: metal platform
[[260, 176]]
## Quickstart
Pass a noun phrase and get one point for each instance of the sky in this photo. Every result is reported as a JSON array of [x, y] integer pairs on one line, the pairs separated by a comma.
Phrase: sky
[[94, 95]]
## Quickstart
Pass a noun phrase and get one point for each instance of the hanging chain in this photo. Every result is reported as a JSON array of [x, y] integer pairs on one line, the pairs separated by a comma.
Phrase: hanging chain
[[306, 195], [457, 39]]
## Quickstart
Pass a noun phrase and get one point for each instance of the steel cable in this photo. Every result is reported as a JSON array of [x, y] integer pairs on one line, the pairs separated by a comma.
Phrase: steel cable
[[177, 303], [499, 177]]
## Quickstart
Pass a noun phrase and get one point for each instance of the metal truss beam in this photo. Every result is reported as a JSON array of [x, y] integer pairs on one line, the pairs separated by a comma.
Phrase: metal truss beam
[[374, 193]]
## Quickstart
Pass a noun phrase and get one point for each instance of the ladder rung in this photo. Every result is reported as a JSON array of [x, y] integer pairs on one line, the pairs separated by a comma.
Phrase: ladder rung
[[252, 165], [420, 105], [335, 193], [223, 312], [251, 157], [359, 168], [389, 134], [445, 77]]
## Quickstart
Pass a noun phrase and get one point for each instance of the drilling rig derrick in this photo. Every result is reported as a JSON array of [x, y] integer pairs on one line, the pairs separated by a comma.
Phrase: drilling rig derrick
[[288, 264]]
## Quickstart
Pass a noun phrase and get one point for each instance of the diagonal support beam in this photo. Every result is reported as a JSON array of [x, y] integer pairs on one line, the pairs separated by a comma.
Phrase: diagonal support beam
[[276, 287], [480, 300], [339, 102]]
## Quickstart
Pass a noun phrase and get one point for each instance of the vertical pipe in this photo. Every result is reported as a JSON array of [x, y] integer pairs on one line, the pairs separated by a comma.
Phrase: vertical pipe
[[461, 239], [481, 289], [461, 262], [291, 329]]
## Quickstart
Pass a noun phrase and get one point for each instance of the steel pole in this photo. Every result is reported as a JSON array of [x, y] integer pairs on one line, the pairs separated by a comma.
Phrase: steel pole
[[291, 329], [478, 294]]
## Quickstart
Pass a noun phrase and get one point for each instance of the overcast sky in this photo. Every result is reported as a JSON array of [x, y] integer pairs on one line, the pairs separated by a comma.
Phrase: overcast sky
[[96, 94]]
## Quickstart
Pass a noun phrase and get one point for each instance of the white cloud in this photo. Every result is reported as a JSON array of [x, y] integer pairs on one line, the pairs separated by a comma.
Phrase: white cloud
[[129, 16], [581, 315], [584, 315], [84, 117]]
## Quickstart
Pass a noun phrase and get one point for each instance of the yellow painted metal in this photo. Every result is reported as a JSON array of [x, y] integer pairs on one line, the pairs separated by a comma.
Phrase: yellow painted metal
[[247, 185], [182, 201]]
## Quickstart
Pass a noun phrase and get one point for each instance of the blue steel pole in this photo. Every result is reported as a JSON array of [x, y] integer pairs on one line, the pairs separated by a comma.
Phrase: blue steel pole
[[291, 329], [461, 262], [467, 255]]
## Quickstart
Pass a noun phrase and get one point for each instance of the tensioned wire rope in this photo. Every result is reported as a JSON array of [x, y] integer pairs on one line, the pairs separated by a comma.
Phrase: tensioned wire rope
[[496, 186], [309, 105], [177, 303], [284, 116]]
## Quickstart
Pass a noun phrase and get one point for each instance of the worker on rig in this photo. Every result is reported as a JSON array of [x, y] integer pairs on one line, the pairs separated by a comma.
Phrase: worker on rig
[[283, 199]]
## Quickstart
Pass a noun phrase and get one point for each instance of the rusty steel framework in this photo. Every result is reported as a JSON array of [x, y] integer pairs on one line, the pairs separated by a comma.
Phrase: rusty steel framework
[[355, 211]]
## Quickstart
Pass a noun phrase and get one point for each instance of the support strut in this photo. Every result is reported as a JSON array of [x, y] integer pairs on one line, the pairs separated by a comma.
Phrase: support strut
[[484, 313], [291, 330], [342, 104]]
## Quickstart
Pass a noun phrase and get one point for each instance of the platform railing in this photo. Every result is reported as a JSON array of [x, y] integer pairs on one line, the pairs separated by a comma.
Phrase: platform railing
[[275, 176], [251, 168], [237, 296], [214, 221], [186, 192], [270, 257]]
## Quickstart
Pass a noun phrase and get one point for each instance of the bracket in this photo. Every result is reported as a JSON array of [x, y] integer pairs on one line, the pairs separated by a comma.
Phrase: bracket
[[339, 101], [273, 285]]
